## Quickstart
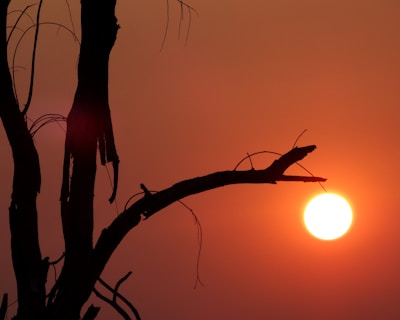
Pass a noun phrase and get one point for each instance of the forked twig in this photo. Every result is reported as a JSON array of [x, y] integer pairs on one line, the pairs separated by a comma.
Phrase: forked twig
[[249, 155]]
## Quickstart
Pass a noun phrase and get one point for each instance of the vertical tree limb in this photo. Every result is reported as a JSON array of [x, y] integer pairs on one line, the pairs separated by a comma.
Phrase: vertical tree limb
[[31, 81], [30, 270]]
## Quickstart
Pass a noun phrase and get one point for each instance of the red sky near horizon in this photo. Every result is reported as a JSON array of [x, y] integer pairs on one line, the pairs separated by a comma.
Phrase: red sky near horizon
[[252, 77]]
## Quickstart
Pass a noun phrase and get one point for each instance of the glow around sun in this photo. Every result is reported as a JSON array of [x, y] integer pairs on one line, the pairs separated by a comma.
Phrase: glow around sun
[[328, 216]]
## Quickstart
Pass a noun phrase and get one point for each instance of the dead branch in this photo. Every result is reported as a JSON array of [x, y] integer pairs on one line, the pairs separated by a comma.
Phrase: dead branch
[[118, 284], [113, 302], [3, 307], [91, 313], [147, 206], [28, 102], [115, 305]]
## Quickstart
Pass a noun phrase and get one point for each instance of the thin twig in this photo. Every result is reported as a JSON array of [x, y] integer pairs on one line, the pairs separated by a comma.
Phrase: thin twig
[[279, 154], [20, 40], [118, 284], [251, 162], [197, 222], [166, 27], [45, 120], [200, 242], [298, 137], [22, 13], [180, 19], [53, 264], [28, 101], [253, 154], [182, 5], [116, 306], [70, 16], [120, 296], [190, 10]]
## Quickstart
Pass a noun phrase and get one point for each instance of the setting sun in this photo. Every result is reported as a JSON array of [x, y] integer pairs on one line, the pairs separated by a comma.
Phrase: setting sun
[[328, 216]]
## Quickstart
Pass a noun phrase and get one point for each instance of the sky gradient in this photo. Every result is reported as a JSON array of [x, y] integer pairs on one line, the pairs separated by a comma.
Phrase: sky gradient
[[252, 77]]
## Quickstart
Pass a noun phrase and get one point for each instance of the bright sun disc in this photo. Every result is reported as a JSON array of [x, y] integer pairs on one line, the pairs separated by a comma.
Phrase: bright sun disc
[[328, 216]]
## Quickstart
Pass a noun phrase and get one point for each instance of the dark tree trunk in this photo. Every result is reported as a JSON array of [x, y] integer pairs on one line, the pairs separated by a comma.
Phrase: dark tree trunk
[[30, 270], [88, 126]]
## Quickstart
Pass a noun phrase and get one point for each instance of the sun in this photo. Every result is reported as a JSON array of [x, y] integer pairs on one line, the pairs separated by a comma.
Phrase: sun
[[328, 216]]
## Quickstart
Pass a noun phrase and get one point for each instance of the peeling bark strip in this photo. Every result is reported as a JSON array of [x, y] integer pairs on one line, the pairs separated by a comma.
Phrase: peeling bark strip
[[89, 122]]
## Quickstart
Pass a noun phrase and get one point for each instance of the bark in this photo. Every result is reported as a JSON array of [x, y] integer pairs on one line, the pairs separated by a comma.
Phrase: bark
[[30, 270], [88, 126]]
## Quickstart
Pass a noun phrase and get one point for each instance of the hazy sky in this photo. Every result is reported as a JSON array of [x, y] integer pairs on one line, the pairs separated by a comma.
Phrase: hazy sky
[[253, 75]]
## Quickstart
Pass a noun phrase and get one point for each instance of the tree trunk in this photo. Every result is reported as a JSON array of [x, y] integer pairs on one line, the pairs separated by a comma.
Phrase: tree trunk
[[30, 270], [88, 126]]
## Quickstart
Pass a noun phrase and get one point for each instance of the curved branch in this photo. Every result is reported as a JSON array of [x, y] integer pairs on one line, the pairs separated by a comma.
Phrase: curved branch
[[113, 301], [24, 33], [182, 5], [147, 206], [22, 13], [119, 282], [115, 305]]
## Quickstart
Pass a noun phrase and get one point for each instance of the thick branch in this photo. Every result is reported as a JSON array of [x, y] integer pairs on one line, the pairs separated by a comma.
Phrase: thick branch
[[91, 313], [148, 205]]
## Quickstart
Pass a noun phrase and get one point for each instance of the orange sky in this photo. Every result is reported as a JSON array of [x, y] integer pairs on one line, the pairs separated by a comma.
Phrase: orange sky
[[252, 77]]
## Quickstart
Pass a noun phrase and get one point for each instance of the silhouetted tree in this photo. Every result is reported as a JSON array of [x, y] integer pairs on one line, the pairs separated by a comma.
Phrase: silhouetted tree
[[89, 129]]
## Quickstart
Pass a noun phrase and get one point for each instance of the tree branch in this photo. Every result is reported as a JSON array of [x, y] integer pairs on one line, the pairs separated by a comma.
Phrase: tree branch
[[113, 301], [147, 206], [119, 282], [3, 307], [91, 313], [30, 271]]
